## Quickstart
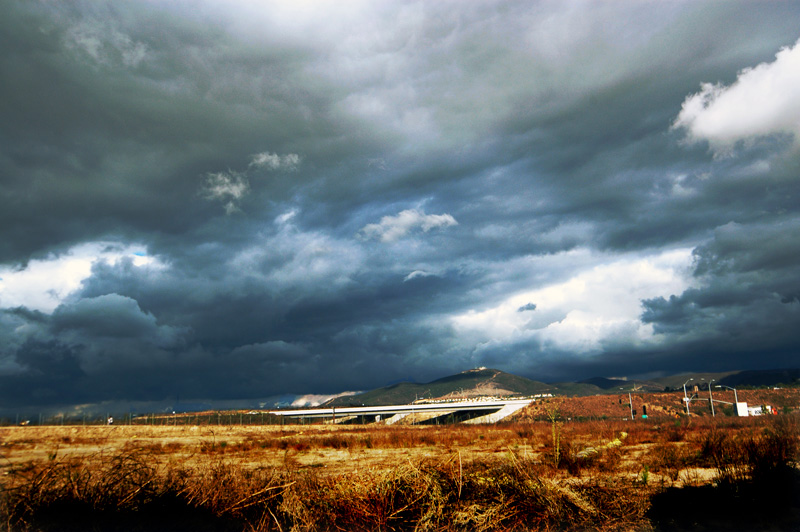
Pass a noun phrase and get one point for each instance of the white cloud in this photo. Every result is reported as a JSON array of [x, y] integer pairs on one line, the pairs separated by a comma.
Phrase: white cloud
[[598, 305], [762, 101], [273, 161], [105, 45], [44, 284], [230, 186], [226, 185], [392, 228], [317, 399], [292, 259], [286, 217], [416, 274]]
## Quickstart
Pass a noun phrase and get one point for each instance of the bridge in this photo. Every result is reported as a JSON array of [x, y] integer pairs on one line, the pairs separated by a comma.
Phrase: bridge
[[468, 411]]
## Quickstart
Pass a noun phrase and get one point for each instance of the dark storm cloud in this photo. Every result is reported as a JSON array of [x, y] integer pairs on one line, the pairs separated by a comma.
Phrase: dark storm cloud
[[279, 199], [109, 315], [115, 113], [747, 301]]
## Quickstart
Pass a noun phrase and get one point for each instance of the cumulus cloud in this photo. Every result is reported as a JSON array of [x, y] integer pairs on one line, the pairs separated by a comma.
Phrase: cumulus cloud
[[579, 315], [392, 228], [761, 102]]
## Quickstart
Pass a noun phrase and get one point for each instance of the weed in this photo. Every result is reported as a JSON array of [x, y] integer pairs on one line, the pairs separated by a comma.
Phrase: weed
[[555, 431]]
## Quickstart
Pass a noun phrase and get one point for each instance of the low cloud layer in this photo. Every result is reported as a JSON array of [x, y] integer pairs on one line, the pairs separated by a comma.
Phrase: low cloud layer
[[237, 200]]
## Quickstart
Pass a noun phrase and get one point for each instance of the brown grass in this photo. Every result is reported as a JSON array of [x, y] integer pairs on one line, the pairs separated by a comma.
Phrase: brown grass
[[604, 476]]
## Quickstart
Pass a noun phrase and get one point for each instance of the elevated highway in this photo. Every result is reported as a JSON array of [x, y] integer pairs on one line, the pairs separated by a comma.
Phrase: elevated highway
[[471, 411]]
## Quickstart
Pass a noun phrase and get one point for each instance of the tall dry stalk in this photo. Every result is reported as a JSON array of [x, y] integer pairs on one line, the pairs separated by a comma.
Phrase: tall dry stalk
[[555, 431]]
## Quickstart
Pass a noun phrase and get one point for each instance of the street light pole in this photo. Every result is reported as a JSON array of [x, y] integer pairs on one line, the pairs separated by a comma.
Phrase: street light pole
[[735, 395], [630, 401], [686, 399], [711, 398]]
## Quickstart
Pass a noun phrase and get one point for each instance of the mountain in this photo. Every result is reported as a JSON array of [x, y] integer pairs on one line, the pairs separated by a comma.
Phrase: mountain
[[470, 383], [485, 381]]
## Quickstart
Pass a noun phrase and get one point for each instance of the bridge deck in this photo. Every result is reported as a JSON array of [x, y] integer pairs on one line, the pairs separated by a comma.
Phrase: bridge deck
[[402, 409]]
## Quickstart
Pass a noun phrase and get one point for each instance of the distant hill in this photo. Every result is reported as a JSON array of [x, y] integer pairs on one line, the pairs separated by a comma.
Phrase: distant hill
[[604, 383], [485, 381], [470, 383], [675, 382], [773, 377]]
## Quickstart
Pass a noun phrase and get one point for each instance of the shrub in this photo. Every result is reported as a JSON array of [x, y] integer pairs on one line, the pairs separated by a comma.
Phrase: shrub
[[775, 452], [668, 459], [721, 451]]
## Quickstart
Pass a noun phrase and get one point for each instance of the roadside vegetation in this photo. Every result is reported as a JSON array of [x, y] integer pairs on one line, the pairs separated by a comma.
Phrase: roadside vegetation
[[703, 474]]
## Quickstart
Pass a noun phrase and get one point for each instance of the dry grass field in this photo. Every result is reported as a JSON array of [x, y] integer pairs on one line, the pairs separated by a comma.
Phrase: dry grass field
[[660, 474]]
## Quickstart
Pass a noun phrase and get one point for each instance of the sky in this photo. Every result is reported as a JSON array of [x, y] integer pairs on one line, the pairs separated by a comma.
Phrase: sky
[[228, 200]]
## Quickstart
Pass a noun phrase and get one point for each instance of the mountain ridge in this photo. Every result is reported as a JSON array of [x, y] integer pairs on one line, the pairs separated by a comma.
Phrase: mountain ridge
[[470, 383], [481, 382]]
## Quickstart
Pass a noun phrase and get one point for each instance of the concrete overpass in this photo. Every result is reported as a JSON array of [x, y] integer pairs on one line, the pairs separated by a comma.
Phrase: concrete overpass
[[468, 411]]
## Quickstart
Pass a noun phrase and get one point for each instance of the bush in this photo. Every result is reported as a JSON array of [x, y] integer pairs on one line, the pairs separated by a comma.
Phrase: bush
[[775, 453], [727, 456], [668, 459]]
